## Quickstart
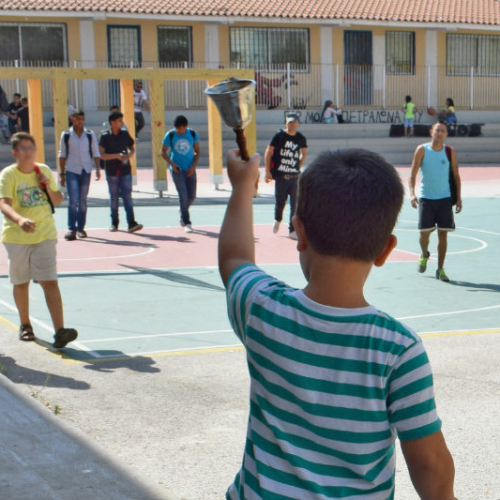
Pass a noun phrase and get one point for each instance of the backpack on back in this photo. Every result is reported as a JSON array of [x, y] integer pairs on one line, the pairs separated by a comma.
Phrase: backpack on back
[[171, 133]]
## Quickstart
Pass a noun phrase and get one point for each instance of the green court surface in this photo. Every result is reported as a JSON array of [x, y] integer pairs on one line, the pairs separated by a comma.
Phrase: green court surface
[[169, 310]]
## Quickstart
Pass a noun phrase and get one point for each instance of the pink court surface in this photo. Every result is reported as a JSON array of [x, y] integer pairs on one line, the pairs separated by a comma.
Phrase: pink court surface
[[157, 292]]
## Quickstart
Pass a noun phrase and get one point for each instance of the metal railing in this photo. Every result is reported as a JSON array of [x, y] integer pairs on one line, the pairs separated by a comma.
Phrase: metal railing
[[289, 86]]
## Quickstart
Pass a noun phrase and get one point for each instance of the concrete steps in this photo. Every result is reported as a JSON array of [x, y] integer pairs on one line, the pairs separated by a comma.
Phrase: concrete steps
[[398, 150]]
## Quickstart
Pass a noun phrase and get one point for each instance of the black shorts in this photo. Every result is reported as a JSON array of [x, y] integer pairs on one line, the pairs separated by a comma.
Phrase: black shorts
[[432, 213]]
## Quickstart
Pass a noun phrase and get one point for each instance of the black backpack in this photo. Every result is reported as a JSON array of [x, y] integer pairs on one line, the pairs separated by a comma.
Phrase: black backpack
[[4, 103], [67, 135]]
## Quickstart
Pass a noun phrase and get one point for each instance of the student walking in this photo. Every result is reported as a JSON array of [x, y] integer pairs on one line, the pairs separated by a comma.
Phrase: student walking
[[410, 109], [27, 194], [284, 158], [78, 150], [116, 146], [435, 204], [140, 101], [184, 146], [333, 380]]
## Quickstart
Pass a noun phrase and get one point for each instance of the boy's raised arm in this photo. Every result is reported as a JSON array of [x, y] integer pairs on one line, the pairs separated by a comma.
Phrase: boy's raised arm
[[236, 240]]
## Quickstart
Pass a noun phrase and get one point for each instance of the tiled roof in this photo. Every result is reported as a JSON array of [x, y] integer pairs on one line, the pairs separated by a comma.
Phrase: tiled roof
[[482, 12]]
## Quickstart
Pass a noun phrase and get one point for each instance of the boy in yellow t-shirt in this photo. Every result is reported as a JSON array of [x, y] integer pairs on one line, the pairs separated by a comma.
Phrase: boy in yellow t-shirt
[[30, 236], [409, 109]]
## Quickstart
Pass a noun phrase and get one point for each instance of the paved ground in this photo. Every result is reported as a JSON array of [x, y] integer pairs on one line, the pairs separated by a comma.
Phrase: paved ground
[[178, 418]]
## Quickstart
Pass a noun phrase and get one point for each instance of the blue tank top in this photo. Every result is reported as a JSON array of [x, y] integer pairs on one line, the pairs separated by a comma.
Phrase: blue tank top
[[435, 168]]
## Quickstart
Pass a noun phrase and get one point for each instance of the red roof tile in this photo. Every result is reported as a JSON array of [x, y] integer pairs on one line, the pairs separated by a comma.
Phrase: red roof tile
[[479, 12]]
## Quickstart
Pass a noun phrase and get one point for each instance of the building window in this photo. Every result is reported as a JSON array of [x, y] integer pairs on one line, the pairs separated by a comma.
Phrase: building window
[[400, 52], [267, 47], [479, 52], [33, 44], [174, 46]]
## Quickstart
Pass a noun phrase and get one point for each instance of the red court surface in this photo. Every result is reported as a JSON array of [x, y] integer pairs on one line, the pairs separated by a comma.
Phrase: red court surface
[[168, 247]]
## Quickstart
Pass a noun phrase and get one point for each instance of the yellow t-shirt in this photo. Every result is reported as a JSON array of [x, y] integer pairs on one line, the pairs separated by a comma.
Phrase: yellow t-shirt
[[29, 201]]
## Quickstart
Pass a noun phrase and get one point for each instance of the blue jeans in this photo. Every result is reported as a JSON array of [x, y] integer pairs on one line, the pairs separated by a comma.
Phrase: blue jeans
[[78, 190], [186, 188], [121, 186]]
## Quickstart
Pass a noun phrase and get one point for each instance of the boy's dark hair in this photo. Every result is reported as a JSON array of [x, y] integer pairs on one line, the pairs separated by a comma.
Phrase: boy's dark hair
[[24, 100], [17, 95], [180, 121], [408, 98], [115, 115], [21, 136], [78, 112], [114, 108], [349, 202]]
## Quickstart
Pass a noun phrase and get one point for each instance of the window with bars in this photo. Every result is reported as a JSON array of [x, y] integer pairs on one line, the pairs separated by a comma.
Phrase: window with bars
[[174, 45], [479, 52], [400, 52], [33, 43], [266, 47]]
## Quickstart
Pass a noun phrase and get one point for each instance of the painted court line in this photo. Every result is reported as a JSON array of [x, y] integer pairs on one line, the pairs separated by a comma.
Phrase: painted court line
[[50, 329], [178, 334], [149, 250], [462, 311]]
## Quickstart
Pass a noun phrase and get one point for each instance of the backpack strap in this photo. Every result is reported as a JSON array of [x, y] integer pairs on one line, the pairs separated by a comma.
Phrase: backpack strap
[[448, 152], [89, 137], [66, 137]]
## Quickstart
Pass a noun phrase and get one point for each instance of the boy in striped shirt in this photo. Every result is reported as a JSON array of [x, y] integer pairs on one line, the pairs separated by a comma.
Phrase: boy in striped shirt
[[334, 381]]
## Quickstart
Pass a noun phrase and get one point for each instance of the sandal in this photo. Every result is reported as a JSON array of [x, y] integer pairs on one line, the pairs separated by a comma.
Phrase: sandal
[[26, 333]]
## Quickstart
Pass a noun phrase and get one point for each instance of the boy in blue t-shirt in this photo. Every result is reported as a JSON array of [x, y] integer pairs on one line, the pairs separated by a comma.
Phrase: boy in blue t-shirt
[[333, 380], [183, 157]]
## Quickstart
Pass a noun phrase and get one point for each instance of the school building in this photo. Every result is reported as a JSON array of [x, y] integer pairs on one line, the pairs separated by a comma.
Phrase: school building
[[358, 53]]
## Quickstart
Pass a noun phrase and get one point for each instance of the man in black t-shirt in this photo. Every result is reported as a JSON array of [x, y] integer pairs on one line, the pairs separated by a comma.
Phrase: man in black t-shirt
[[14, 107], [284, 158], [116, 147], [23, 117]]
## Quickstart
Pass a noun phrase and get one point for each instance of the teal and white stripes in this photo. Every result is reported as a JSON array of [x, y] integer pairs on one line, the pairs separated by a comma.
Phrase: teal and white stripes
[[330, 390]]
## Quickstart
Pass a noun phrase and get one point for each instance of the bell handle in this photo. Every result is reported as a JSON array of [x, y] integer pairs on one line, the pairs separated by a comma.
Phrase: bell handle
[[241, 140]]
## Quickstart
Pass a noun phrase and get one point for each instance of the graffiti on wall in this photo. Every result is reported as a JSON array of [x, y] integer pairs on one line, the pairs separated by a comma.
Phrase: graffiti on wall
[[359, 116]]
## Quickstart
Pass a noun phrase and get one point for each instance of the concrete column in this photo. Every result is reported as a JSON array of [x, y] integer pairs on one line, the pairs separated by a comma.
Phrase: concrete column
[[157, 101], [327, 69], [379, 62], [60, 103], [215, 141], [87, 56], [35, 113], [431, 63], [127, 108], [212, 57]]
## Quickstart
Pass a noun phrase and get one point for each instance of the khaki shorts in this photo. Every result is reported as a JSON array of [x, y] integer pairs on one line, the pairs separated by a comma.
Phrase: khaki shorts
[[27, 262]]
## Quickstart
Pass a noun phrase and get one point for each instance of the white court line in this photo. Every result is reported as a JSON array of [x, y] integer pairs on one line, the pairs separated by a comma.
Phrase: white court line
[[463, 311], [178, 334], [163, 351], [50, 329], [149, 250], [479, 230], [460, 331]]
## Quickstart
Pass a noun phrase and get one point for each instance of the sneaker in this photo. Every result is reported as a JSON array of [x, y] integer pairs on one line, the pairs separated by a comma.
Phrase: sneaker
[[70, 236], [293, 235], [81, 233], [276, 227], [441, 275], [113, 228], [135, 227], [422, 263], [188, 228], [64, 336]]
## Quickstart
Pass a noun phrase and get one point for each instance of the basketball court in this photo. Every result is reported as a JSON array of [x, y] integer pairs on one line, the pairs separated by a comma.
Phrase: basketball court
[[158, 292]]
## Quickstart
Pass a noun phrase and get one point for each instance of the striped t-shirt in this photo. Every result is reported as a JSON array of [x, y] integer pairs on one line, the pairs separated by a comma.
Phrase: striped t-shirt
[[330, 391]]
